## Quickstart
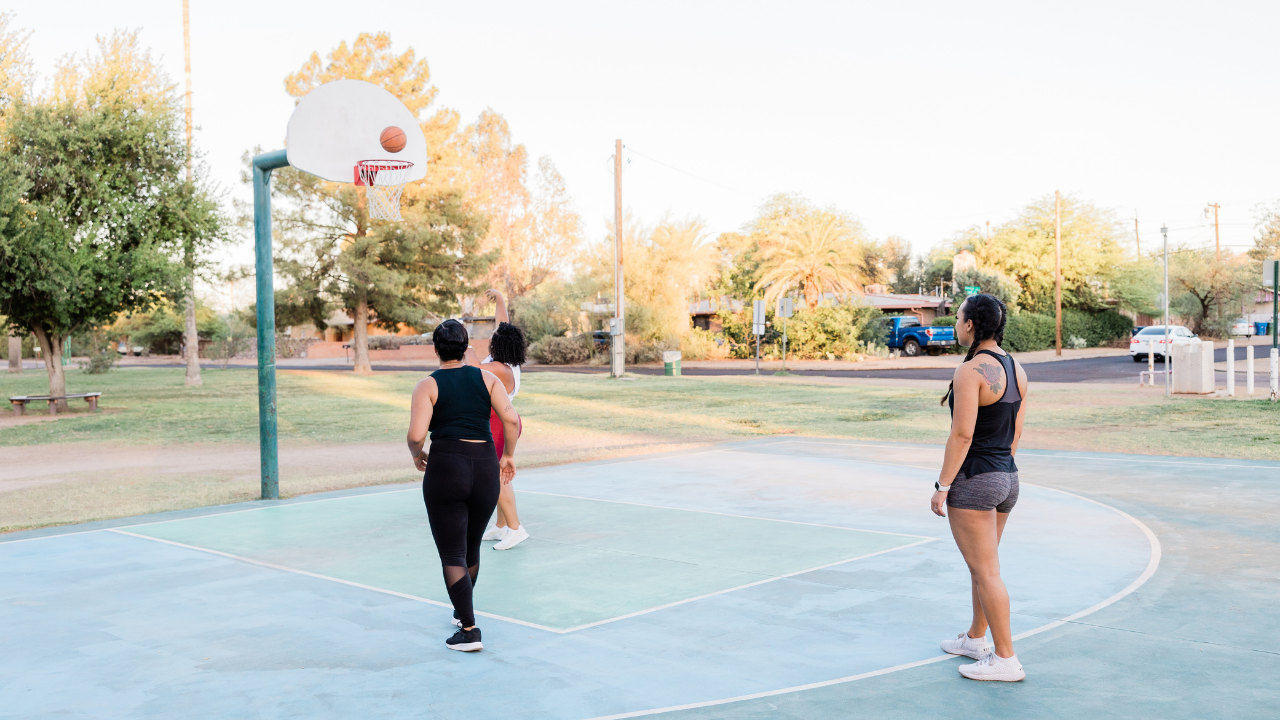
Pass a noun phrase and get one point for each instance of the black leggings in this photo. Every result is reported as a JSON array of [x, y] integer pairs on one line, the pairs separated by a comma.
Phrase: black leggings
[[460, 489]]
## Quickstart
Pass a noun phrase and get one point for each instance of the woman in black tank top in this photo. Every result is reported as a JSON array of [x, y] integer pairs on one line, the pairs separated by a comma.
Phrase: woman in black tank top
[[463, 470], [978, 483]]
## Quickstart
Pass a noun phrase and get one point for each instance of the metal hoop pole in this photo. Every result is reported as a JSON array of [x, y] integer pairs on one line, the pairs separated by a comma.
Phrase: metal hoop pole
[[268, 445]]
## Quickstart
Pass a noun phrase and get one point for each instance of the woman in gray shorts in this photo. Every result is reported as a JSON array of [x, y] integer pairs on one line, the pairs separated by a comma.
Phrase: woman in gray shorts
[[979, 480]]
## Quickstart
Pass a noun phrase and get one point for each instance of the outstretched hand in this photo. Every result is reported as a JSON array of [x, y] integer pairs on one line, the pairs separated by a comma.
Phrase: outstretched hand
[[506, 469], [494, 294]]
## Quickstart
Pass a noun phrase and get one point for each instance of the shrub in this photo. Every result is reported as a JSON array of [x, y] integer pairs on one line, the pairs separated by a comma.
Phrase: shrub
[[1026, 332], [944, 321], [843, 331], [102, 355], [559, 350], [394, 342], [1097, 328], [647, 351], [702, 345]]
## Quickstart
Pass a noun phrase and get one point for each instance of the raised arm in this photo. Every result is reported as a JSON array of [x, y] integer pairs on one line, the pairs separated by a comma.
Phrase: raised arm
[[420, 409], [500, 303], [501, 404]]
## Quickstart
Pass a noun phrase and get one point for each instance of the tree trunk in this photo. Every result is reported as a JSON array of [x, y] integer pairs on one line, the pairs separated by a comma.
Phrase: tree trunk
[[192, 340], [51, 348], [15, 353], [811, 293], [360, 338]]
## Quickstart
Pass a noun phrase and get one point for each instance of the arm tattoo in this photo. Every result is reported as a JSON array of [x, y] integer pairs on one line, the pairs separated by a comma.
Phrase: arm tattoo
[[991, 374]]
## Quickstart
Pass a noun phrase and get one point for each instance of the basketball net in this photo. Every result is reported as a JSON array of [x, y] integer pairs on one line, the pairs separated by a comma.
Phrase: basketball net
[[385, 180]]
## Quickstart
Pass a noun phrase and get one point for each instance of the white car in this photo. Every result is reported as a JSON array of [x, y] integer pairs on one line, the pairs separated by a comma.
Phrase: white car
[[1153, 337], [1242, 327]]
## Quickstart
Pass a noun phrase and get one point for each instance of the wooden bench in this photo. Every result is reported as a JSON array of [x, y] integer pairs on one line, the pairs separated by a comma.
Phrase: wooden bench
[[20, 402]]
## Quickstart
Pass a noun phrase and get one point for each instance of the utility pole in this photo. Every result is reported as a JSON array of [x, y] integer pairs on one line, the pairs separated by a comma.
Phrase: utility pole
[[1057, 271], [1168, 354], [1137, 239], [1217, 241], [618, 366], [191, 335]]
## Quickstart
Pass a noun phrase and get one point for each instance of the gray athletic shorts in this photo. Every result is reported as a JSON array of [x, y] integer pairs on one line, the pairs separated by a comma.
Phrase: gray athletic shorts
[[998, 490]]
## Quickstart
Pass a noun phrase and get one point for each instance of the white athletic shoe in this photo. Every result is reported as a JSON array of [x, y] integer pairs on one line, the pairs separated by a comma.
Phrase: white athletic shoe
[[513, 538], [994, 667], [494, 533], [962, 644]]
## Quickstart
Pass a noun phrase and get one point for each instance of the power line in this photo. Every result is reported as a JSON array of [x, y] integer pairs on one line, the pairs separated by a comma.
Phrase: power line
[[684, 172]]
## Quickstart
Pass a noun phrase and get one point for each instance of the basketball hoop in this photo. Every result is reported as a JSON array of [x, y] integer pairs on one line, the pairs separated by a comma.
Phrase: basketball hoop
[[385, 180]]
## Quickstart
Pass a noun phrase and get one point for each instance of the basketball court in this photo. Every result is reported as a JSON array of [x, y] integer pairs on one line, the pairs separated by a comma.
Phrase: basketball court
[[773, 578]]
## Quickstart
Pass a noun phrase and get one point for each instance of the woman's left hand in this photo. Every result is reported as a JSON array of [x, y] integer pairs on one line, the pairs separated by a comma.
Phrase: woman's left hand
[[420, 461], [939, 504], [506, 469]]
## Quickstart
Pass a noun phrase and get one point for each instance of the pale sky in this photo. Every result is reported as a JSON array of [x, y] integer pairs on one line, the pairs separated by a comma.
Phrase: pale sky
[[919, 118]]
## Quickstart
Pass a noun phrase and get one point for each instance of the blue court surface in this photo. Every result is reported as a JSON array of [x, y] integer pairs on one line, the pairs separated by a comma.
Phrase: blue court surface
[[776, 578]]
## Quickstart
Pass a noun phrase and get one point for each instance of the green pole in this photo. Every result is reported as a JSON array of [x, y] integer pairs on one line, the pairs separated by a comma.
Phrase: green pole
[[267, 437], [1275, 291]]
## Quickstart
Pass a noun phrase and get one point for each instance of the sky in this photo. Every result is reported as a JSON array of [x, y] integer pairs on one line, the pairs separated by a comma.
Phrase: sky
[[918, 118]]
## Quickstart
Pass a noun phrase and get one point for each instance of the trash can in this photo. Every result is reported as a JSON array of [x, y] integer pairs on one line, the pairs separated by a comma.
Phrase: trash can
[[1262, 328], [671, 363]]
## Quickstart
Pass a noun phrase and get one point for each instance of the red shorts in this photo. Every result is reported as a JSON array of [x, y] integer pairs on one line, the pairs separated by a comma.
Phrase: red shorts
[[495, 426]]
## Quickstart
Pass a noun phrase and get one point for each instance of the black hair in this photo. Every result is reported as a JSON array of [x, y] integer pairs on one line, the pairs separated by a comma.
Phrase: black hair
[[507, 344], [988, 315], [450, 339]]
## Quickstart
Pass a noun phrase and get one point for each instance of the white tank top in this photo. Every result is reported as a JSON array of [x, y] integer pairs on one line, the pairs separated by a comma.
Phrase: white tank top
[[515, 374]]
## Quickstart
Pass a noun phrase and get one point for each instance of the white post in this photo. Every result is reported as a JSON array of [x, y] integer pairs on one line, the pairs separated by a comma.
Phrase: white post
[[1248, 368], [1231, 368], [1151, 363], [1275, 374]]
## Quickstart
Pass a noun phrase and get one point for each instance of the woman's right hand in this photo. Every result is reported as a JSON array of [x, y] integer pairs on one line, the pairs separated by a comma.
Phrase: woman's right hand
[[506, 469], [939, 504], [420, 461]]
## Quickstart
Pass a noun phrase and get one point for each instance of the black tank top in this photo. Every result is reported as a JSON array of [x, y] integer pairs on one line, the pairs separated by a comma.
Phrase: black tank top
[[992, 446], [462, 405]]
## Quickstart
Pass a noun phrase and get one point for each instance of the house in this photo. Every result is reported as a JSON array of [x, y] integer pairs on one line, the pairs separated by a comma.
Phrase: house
[[925, 307]]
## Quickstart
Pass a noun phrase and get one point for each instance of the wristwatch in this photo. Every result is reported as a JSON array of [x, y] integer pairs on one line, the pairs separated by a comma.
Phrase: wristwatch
[[940, 487]]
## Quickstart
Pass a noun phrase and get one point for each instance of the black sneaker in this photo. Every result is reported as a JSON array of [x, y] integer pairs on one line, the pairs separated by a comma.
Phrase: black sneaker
[[465, 640]]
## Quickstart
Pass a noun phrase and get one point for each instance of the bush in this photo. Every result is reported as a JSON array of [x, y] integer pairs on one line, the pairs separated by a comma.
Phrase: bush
[[1026, 332], [647, 351], [394, 342], [841, 331], [559, 350], [702, 345], [102, 355], [944, 321]]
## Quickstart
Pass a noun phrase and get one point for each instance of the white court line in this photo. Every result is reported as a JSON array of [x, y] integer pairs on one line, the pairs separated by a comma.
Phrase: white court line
[[1152, 565], [273, 566], [712, 512]]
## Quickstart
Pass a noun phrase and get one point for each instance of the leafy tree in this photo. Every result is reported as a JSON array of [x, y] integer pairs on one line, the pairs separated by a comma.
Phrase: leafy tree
[[1023, 249], [897, 265], [383, 273], [1266, 246], [93, 203], [819, 252], [1204, 283], [991, 282]]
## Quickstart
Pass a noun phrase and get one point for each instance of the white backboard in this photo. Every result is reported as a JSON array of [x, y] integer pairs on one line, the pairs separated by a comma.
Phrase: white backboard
[[1269, 272], [340, 123]]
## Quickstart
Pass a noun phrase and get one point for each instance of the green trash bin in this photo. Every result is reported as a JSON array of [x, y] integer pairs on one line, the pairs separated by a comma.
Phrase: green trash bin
[[671, 363]]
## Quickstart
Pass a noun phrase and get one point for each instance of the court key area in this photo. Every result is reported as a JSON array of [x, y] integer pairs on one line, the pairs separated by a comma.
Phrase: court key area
[[785, 577]]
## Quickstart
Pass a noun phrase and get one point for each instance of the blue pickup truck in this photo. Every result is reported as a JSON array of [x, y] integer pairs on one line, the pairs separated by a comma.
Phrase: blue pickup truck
[[905, 333]]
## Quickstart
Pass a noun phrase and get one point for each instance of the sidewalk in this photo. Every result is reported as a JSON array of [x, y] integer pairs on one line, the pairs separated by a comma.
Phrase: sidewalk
[[923, 362]]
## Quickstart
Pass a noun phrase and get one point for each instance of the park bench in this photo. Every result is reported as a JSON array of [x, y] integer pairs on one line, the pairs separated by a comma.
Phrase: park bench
[[19, 403]]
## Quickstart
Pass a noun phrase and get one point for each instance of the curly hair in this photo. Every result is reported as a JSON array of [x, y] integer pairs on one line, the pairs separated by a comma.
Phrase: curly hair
[[507, 345], [988, 315], [450, 338]]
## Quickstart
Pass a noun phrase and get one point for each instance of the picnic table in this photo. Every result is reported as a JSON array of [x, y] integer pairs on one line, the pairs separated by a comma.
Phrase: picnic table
[[19, 402]]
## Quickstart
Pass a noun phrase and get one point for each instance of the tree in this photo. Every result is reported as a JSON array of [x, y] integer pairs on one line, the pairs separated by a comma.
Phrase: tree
[[1023, 249], [534, 232], [897, 264], [1266, 245], [819, 252], [382, 273], [1203, 283], [92, 202]]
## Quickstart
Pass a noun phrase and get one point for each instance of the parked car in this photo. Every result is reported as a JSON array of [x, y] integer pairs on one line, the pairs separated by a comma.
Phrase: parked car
[[905, 333], [1138, 345], [1242, 326]]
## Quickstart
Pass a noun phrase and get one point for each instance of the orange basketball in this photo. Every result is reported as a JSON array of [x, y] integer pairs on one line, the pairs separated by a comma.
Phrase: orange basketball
[[392, 139]]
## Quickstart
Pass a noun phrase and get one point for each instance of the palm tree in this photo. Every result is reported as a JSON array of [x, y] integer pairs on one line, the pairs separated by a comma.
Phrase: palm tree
[[819, 252]]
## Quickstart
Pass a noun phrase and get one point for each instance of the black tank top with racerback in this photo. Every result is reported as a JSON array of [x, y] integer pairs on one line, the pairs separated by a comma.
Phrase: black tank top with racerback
[[462, 405], [992, 446]]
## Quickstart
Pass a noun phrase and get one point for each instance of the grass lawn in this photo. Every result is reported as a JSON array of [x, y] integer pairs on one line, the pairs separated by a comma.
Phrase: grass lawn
[[339, 429]]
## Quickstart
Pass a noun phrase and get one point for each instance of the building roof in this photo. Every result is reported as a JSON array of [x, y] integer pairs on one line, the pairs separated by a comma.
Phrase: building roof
[[891, 301]]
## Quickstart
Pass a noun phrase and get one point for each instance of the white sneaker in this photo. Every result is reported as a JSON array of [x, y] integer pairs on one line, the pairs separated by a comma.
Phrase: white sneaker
[[513, 538], [495, 533], [994, 667], [962, 644]]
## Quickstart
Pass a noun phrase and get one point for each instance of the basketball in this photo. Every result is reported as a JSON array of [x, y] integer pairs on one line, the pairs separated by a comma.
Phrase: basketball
[[392, 139]]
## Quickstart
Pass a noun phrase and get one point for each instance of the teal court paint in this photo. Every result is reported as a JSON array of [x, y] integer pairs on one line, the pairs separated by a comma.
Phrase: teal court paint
[[1111, 562]]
